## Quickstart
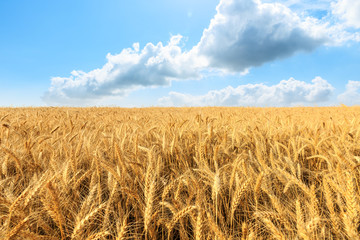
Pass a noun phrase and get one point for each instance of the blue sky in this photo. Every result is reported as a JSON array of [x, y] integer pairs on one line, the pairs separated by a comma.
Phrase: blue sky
[[179, 53]]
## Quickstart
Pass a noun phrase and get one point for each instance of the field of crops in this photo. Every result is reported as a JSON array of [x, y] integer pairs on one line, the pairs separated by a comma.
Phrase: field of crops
[[180, 173]]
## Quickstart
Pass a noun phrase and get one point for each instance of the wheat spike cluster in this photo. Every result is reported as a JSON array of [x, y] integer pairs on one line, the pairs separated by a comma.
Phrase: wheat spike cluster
[[180, 173]]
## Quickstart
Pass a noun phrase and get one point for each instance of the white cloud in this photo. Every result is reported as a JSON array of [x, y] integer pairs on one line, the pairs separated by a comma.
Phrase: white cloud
[[352, 94], [154, 65], [286, 93], [242, 34], [349, 11], [247, 33]]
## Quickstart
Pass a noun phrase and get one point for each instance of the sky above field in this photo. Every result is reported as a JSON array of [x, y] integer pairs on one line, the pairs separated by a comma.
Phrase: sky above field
[[179, 53]]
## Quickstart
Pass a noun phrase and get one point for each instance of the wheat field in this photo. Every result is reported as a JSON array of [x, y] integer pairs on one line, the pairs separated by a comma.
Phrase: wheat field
[[180, 173]]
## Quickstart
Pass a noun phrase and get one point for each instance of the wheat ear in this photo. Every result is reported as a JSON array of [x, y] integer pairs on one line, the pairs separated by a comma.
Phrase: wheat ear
[[17, 228], [240, 190], [81, 224], [179, 215]]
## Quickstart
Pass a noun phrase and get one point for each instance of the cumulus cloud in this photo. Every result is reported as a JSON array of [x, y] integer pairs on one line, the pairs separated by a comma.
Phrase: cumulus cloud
[[242, 34], [246, 33], [349, 11], [352, 94], [154, 65], [286, 93]]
